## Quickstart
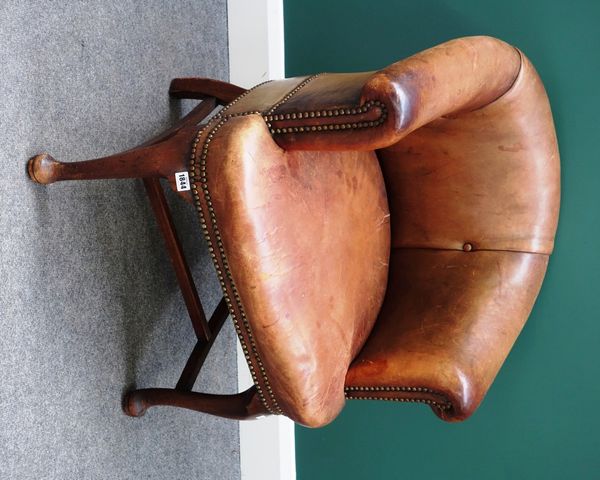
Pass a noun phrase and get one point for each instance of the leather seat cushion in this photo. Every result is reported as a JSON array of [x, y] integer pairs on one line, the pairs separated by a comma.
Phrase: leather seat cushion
[[306, 237]]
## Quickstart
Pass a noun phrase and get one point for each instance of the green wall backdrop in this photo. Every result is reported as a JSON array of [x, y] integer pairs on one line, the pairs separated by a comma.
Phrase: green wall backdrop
[[539, 420]]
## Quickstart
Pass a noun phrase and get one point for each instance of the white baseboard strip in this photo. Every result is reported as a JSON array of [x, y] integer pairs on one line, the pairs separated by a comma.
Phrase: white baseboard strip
[[256, 54]]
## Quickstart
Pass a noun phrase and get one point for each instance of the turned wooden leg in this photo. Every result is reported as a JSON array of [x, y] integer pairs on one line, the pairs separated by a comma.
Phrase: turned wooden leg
[[241, 406], [160, 159], [196, 87], [162, 156]]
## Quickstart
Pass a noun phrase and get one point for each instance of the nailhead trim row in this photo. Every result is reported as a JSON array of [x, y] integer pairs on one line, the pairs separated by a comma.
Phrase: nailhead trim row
[[350, 394], [390, 389], [198, 175], [441, 406], [269, 118]]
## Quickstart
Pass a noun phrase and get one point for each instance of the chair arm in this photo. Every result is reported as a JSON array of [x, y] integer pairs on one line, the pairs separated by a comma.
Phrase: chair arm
[[374, 110]]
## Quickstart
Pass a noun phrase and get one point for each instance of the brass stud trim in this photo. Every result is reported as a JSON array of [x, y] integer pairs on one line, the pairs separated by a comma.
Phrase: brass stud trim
[[441, 406], [358, 393], [371, 104], [390, 389], [198, 174]]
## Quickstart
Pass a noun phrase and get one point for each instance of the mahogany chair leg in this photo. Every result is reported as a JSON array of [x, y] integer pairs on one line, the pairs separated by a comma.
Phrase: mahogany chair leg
[[159, 159], [196, 87], [162, 156], [240, 406]]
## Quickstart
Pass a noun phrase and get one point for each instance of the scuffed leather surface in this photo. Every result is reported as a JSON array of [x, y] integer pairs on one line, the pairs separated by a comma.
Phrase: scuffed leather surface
[[490, 178], [455, 77], [470, 161], [484, 178], [448, 322], [307, 240]]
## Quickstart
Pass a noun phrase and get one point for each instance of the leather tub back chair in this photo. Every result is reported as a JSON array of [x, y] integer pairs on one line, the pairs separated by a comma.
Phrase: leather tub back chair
[[379, 235]]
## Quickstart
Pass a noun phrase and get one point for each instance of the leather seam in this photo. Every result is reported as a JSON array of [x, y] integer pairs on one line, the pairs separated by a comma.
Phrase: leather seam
[[474, 250], [510, 88], [293, 92]]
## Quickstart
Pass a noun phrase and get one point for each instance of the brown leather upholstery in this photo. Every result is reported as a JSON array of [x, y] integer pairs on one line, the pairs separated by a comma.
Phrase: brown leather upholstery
[[307, 238], [484, 183], [296, 212]]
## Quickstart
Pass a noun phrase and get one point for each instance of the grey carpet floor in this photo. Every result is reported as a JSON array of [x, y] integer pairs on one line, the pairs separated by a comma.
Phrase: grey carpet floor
[[88, 303]]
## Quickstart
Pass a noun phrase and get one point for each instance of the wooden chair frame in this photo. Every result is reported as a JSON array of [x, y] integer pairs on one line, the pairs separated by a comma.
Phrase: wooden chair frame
[[163, 156]]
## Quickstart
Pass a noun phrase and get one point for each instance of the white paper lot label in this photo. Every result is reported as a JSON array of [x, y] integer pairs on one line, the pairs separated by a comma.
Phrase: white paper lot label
[[182, 179]]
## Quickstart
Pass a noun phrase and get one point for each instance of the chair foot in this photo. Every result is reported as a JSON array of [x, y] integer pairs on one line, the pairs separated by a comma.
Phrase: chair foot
[[43, 169], [133, 405]]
